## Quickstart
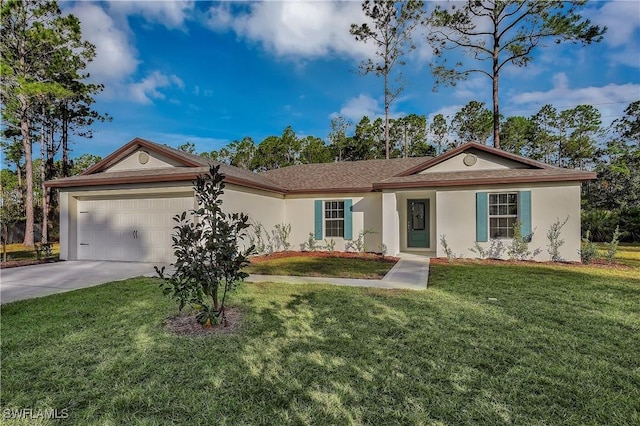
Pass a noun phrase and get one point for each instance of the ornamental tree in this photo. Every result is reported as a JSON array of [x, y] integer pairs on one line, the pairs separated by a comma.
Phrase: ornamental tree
[[208, 249]]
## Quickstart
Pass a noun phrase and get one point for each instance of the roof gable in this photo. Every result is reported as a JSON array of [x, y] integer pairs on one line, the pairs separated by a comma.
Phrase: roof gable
[[480, 157], [132, 157]]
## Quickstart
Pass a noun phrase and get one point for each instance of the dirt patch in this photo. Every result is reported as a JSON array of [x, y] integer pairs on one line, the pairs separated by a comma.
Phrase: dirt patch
[[185, 324], [340, 254], [598, 263], [25, 262]]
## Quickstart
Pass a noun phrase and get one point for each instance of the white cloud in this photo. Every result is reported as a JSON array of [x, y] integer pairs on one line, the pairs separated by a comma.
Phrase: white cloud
[[610, 99], [147, 89], [295, 28], [563, 93], [171, 14], [356, 108], [115, 57], [116, 62], [621, 18], [623, 27]]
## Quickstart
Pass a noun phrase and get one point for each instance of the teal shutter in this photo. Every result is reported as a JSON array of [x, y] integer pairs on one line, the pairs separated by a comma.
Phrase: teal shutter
[[318, 219], [524, 212], [348, 219], [482, 217]]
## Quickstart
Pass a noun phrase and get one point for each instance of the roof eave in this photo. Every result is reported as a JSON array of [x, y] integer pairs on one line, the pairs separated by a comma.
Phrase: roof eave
[[485, 181], [182, 177], [472, 145]]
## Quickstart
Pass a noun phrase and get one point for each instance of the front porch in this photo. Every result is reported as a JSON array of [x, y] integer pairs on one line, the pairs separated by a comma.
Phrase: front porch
[[409, 223]]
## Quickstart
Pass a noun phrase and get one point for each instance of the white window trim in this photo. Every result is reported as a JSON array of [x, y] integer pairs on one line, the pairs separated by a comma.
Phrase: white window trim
[[501, 216], [325, 218]]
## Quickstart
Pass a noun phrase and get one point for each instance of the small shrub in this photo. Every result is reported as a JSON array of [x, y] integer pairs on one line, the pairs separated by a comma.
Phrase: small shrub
[[447, 250], [44, 251], [383, 249], [588, 250], [612, 246], [519, 248], [311, 244], [281, 235], [329, 245], [555, 242], [358, 244], [494, 251], [268, 242]]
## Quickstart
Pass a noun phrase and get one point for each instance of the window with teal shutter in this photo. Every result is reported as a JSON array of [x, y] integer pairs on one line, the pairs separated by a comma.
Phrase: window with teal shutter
[[524, 212], [482, 219], [318, 219], [333, 219], [348, 221]]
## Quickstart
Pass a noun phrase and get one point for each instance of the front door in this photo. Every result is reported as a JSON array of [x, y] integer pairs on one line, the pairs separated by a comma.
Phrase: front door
[[418, 223]]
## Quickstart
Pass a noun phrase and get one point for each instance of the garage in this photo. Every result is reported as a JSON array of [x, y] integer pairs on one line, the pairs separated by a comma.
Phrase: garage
[[136, 229]]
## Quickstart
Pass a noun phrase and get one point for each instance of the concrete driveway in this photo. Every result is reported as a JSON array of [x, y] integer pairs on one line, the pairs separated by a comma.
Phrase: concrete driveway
[[26, 282]]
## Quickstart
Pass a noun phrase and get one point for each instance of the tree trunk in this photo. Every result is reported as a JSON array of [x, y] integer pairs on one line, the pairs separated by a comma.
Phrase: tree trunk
[[495, 77], [386, 113], [28, 166], [65, 141], [43, 174], [214, 297]]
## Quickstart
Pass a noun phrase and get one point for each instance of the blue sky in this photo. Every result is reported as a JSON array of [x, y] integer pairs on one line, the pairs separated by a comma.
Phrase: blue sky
[[209, 73]]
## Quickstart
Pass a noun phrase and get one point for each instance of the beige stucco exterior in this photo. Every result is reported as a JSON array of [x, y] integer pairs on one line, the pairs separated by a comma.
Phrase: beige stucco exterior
[[366, 214], [452, 210], [455, 209], [483, 161], [133, 162]]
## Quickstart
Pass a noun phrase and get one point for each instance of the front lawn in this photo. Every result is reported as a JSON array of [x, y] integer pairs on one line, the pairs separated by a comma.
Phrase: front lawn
[[311, 266], [485, 344], [628, 254]]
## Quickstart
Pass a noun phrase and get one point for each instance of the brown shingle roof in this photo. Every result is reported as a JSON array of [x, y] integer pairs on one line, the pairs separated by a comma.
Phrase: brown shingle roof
[[479, 177], [194, 165], [349, 176], [346, 176]]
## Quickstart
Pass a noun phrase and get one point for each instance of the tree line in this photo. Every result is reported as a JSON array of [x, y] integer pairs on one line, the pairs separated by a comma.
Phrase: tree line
[[45, 99]]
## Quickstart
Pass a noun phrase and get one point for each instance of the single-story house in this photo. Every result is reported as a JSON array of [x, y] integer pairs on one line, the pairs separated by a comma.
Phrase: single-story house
[[122, 207]]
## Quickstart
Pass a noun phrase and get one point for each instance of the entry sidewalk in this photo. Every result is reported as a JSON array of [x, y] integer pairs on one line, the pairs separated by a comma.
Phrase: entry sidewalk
[[408, 274]]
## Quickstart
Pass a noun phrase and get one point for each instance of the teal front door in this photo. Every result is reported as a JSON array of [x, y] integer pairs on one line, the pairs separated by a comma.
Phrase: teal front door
[[418, 223]]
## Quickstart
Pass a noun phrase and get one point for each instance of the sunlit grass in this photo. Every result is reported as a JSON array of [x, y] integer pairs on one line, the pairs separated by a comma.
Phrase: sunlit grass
[[322, 267], [628, 254], [485, 344], [22, 252]]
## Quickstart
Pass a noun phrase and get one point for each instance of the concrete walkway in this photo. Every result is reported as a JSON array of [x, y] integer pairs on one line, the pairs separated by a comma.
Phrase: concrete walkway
[[409, 274], [26, 282]]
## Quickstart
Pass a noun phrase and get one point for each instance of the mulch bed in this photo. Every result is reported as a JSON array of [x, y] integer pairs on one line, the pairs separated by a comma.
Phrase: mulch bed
[[601, 263], [340, 254], [185, 324]]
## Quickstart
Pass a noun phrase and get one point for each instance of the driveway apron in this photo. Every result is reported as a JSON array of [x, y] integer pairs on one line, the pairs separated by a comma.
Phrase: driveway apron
[[26, 282]]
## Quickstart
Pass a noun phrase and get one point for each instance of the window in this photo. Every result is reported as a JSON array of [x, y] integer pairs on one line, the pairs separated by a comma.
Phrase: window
[[334, 219], [503, 214]]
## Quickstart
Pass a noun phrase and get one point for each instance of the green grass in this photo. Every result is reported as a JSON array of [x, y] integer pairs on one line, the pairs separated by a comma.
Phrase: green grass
[[559, 345], [628, 254], [22, 252], [322, 267]]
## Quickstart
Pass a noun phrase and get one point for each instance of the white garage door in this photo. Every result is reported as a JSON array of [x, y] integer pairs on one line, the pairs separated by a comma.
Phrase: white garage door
[[129, 229]]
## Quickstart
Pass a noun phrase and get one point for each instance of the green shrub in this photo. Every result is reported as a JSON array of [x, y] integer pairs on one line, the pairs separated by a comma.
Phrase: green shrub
[[612, 246], [209, 259], [519, 247], [553, 235], [588, 250]]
